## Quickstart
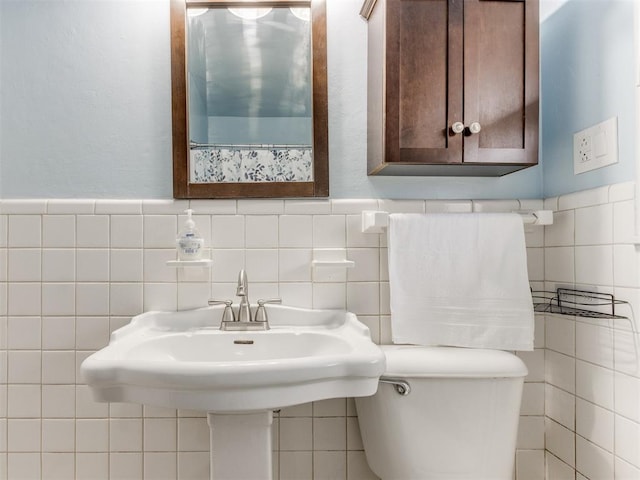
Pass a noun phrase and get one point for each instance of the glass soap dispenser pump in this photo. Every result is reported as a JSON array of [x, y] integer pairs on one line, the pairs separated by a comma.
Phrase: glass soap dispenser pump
[[189, 241]]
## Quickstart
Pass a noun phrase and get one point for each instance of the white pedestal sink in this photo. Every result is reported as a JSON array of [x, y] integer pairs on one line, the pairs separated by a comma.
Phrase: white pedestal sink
[[182, 360]]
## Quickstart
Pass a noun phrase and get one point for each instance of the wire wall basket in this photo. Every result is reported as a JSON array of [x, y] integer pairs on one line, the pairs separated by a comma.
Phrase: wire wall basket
[[578, 303]]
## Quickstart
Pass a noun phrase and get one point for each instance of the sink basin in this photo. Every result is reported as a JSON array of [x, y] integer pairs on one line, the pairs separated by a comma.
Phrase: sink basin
[[182, 360]]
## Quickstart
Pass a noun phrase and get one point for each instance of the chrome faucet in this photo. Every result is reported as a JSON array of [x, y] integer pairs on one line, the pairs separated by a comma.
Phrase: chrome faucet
[[243, 321], [244, 311]]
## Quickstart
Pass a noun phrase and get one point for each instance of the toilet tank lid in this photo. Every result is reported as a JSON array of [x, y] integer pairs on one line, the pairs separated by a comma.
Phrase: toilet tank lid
[[419, 361]]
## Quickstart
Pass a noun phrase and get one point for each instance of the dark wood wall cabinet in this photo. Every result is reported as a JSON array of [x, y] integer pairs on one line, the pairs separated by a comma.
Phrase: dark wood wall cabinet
[[452, 86]]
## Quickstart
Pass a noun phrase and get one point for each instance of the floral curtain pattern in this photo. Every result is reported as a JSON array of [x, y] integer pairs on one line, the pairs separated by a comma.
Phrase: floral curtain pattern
[[215, 165]]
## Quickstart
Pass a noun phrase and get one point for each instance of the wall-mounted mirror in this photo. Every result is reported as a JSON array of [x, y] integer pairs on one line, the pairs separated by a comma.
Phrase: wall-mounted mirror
[[249, 98]]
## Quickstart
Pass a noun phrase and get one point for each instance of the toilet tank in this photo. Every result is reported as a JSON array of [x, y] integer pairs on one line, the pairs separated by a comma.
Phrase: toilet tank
[[459, 420]]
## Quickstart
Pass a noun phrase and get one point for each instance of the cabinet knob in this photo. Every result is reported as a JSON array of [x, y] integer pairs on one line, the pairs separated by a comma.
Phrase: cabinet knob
[[475, 127], [457, 127]]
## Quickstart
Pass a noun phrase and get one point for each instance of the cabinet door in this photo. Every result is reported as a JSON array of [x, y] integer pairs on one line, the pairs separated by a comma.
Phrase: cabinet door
[[424, 76], [501, 81]]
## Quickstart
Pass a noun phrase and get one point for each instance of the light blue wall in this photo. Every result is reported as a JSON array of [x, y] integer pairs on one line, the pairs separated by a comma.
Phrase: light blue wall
[[587, 77], [85, 106]]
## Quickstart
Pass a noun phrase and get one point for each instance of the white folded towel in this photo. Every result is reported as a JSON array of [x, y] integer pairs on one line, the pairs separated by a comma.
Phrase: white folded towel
[[460, 279]]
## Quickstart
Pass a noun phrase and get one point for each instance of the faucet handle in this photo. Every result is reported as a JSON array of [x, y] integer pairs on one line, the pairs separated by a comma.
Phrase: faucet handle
[[227, 315], [261, 312]]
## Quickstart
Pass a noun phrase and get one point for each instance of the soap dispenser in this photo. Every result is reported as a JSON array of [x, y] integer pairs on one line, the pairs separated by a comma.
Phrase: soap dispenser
[[189, 241]]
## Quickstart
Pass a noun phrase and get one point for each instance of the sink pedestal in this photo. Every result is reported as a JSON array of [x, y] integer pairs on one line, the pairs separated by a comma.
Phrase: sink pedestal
[[240, 446]]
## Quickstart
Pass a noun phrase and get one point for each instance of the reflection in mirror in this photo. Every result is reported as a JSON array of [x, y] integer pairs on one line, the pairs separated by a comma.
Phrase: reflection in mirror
[[256, 91]]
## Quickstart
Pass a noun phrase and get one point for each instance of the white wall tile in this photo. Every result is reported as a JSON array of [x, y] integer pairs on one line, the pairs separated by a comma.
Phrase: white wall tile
[[496, 205], [160, 296], [594, 265], [295, 231], [595, 424], [560, 371], [193, 434], [329, 465], [160, 231], [24, 299], [531, 432], [355, 236], [260, 207], [92, 299], [125, 466], [367, 265], [593, 461], [23, 333], [363, 298], [262, 265], [218, 206], [58, 265], [23, 466], [3, 230], [623, 221], [118, 207], [126, 265], [296, 465], [560, 334], [530, 464], [261, 231], [92, 231], [126, 299], [620, 192], [58, 367], [329, 433], [560, 441], [585, 198], [627, 440], [560, 406], [24, 206], [164, 207], [297, 294], [352, 206], [533, 398], [58, 333], [58, 435], [562, 231], [23, 401], [126, 231], [92, 465], [58, 299], [92, 265], [92, 435], [24, 435], [329, 231], [559, 264], [24, 231], [125, 434], [595, 384], [307, 207], [448, 206], [594, 343], [160, 435], [61, 206], [594, 225], [57, 465], [626, 266], [58, 401], [160, 466], [58, 231], [627, 396], [295, 265]]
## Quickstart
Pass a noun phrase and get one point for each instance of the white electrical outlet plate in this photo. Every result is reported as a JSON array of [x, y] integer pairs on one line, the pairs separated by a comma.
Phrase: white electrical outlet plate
[[596, 147]]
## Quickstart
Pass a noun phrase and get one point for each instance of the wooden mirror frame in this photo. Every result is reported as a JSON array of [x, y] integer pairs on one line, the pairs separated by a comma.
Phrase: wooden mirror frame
[[182, 188]]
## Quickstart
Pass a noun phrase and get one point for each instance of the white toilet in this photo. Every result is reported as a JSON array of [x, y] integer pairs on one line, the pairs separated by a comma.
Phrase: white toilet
[[443, 413]]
